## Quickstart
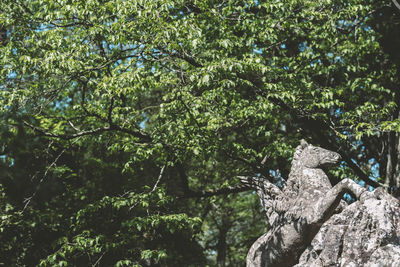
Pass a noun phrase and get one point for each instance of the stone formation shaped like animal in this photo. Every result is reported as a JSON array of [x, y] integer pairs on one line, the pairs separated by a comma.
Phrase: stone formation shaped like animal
[[296, 213]]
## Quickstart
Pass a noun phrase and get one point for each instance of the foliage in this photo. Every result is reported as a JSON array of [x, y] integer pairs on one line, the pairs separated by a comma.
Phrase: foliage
[[126, 121]]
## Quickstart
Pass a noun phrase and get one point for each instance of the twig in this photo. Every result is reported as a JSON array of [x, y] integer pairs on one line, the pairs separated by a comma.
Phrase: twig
[[138, 134], [28, 200], [159, 178], [219, 191], [98, 261]]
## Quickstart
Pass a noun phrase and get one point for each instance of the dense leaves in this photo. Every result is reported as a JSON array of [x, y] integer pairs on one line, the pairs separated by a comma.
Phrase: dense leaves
[[125, 122]]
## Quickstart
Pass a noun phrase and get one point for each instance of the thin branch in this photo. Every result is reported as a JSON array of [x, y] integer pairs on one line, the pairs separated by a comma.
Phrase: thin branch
[[73, 126], [83, 97], [219, 191], [312, 126], [97, 263], [110, 110], [76, 23], [188, 193], [159, 178], [139, 134], [188, 59], [28, 200], [43, 132], [184, 56]]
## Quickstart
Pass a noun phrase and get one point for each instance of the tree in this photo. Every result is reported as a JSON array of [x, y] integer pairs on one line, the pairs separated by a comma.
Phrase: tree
[[126, 122]]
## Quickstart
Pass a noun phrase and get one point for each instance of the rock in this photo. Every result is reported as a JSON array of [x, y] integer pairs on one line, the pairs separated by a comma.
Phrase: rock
[[310, 225], [363, 234]]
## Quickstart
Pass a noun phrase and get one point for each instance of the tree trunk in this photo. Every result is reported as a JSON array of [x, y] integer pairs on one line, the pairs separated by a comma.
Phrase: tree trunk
[[222, 245]]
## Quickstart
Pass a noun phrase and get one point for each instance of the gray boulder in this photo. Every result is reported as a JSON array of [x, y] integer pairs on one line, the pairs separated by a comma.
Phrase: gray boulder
[[363, 234]]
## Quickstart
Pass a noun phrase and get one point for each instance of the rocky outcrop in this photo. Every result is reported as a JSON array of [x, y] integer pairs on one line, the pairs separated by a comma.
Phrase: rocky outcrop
[[311, 226], [363, 234]]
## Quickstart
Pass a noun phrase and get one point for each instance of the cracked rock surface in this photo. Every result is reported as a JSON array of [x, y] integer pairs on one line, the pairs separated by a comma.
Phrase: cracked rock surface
[[363, 234]]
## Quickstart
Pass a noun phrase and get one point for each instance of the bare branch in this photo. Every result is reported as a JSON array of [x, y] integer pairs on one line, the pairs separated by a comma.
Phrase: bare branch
[[219, 191], [73, 126], [28, 200], [159, 178], [43, 132]]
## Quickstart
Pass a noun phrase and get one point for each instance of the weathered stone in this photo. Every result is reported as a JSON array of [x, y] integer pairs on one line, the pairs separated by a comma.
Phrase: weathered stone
[[312, 226], [364, 234]]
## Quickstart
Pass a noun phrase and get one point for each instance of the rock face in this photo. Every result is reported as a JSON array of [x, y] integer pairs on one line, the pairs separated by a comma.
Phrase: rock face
[[312, 226], [363, 234]]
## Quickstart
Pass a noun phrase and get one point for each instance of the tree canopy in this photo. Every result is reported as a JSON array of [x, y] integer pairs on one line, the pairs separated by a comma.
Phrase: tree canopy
[[126, 122]]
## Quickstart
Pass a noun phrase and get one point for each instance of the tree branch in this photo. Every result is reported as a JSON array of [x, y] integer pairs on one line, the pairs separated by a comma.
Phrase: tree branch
[[216, 192], [189, 193], [188, 59], [43, 132], [159, 178], [312, 125], [110, 110]]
